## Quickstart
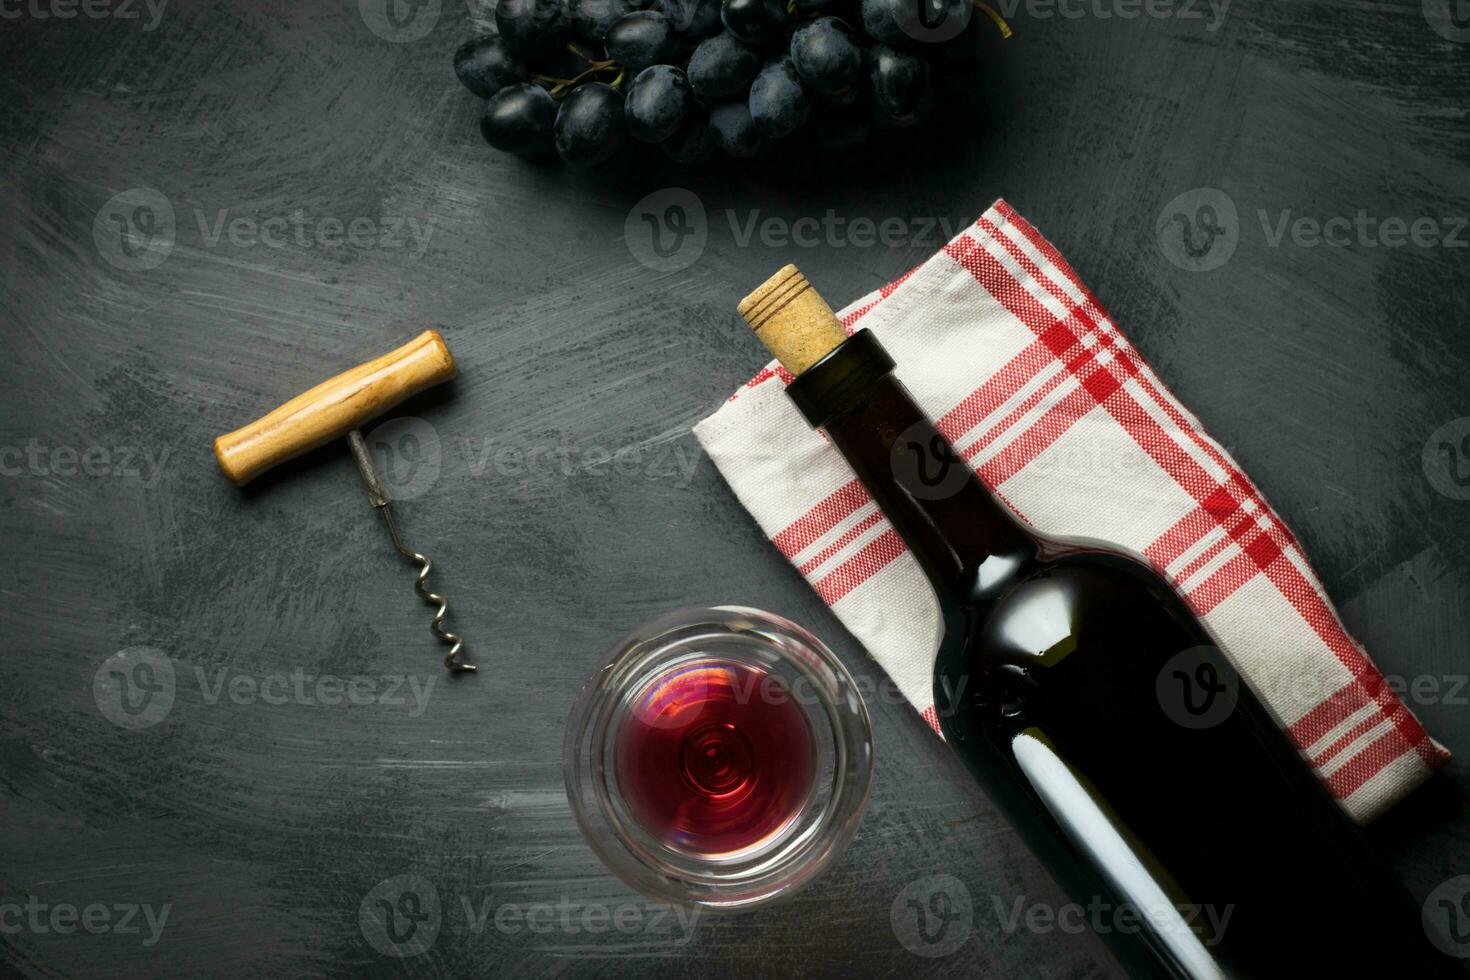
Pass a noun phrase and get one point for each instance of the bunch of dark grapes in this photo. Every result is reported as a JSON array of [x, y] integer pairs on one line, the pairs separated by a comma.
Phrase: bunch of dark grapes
[[587, 80]]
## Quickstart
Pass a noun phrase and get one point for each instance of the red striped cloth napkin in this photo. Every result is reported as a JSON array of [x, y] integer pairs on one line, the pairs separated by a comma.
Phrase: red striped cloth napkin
[[1001, 342]]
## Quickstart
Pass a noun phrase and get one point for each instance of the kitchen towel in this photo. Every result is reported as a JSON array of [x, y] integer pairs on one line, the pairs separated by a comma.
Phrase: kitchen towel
[[1000, 341]]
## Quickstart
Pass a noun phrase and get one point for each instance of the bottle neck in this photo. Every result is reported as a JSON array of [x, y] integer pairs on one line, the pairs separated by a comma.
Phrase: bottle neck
[[965, 540]]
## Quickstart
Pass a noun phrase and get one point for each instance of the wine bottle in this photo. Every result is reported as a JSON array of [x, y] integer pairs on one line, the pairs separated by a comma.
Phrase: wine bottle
[[1195, 835]]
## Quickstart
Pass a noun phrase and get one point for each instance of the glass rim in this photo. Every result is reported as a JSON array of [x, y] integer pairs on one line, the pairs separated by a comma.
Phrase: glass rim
[[766, 872]]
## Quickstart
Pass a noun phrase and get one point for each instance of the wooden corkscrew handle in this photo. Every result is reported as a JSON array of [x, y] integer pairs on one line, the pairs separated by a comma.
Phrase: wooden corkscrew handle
[[334, 408]]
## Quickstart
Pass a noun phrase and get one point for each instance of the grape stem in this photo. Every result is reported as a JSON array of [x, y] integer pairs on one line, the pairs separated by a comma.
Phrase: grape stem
[[560, 86], [994, 15]]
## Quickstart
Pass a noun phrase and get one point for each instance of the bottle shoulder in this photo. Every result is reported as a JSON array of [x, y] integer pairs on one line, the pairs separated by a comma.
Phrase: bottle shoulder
[[1046, 604], [994, 578]]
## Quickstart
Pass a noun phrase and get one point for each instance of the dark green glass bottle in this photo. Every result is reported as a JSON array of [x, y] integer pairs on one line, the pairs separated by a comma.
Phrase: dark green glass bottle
[[1095, 710]]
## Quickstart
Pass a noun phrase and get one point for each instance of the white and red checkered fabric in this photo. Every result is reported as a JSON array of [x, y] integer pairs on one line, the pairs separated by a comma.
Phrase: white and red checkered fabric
[[1000, 341]]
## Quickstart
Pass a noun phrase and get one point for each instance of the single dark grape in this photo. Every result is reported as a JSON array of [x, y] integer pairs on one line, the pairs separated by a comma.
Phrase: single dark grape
[[705, 22], [899, 84], [779, 102], [828, 58], [734, 131], [692, 141], [657, 102], [896, 22], [641, 39], [722, 66], [485, 66], [591, 18], [589, 127], [695, 19], [519, 119], [941, 21], [532, 28], [679, 12], [881, 19], [757, 22]]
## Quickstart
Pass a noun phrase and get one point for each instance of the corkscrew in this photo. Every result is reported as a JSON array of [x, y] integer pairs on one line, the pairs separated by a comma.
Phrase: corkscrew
[[338, 407]]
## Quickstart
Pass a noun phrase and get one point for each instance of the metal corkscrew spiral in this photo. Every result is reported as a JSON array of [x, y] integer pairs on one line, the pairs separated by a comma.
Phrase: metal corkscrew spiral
[[380, 499]]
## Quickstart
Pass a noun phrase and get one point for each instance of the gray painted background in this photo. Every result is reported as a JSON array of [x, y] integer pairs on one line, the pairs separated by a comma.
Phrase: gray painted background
[[263, 828]]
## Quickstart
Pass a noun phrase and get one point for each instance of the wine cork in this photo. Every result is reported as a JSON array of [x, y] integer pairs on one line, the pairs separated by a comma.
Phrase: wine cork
[[792, 320]]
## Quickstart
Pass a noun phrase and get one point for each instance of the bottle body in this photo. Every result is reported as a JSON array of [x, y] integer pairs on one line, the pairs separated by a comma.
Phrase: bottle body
[[1094, 708]]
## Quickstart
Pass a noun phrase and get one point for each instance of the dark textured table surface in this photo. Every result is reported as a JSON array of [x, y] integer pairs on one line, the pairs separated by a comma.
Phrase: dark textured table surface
[[330, 197]]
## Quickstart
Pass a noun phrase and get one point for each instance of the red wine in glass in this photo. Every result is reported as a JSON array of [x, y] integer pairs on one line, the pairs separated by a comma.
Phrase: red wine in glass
[[715, 757], [720, 758]]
